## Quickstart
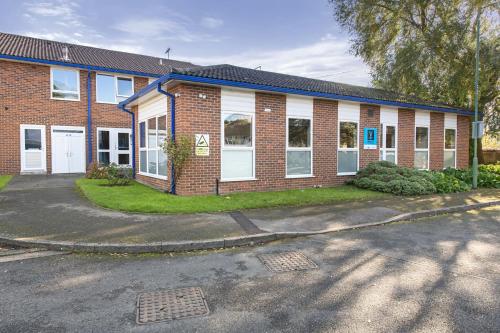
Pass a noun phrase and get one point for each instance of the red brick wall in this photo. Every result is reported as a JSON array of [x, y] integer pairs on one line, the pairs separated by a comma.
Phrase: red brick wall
[[406, 137], [25, 99], [463, 136], [195, 115], [369, 117], [436, 145]]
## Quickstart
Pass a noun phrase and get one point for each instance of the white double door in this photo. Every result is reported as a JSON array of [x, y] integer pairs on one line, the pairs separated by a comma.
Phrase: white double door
[[68, 149], [114, 146]]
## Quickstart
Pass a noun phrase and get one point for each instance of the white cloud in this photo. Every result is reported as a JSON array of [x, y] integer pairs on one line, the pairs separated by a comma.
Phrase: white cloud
[[61, 12], [211, 22], [162, 29], [327, 59]]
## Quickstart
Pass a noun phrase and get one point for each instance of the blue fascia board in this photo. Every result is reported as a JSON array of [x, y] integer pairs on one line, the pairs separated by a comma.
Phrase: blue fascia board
[[197, 79], [80, 66]]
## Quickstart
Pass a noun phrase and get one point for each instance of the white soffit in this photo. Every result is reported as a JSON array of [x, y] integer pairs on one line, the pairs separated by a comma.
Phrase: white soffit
[[422, 118], [450, 120], [349, 111], [233, 100], [299, 106], [388, 115]]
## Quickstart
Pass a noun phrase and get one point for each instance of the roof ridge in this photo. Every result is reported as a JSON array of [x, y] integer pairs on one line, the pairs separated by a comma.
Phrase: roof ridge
[[92, 47]]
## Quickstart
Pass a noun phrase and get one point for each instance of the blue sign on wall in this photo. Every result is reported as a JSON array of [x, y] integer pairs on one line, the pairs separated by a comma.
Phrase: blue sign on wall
[[370, 138]]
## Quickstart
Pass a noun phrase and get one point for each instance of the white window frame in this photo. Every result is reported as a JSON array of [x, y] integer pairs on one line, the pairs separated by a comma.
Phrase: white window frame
[[422, 149], [115, 130], [300, 149], [115, 78], [64, 91], [339, 149], [448, 150], [383, 149], [237, 148], [43, 150], [147, 149]]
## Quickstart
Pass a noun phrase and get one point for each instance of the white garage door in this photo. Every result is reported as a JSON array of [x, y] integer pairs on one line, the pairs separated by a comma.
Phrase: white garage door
[[68, 149]]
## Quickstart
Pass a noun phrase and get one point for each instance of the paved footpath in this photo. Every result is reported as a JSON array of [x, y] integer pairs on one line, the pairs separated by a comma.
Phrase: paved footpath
[[438, 274], [50, 208]]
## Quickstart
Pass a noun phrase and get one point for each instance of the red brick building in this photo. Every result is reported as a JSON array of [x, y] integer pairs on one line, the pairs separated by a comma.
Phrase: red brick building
[[258, 130], [63, 106], [53, 95]]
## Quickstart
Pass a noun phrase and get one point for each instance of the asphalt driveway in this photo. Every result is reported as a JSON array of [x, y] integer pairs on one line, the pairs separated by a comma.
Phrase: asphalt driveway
[[433, 275], [51, 208]]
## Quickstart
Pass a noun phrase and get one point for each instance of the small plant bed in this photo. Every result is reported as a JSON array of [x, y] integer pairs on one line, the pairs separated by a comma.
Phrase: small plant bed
[[4, 180], [389, 178], [142, 199]]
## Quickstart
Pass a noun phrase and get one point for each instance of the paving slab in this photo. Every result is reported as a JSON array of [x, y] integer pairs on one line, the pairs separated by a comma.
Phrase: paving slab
[[342, 215]]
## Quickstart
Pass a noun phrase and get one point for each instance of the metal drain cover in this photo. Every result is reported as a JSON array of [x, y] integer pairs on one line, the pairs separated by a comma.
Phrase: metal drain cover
[[170, 305], [287, 261]]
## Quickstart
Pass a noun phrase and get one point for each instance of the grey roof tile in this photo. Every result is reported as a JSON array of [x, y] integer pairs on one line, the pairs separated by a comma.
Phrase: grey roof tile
[[252, 76], [22, 46]]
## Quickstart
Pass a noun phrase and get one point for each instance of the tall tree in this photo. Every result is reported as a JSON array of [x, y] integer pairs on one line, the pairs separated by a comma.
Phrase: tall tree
[[427, 48]]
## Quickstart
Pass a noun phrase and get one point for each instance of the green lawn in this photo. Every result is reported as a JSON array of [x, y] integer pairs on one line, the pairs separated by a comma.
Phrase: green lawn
[[142, 199], [4, 180]]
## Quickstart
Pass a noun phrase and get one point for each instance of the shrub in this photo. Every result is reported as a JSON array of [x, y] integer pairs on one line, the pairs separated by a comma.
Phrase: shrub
[[96, 171], [446, 183], [493, 168], [118, 176], [387, 177], [179, 151], [487, 177]]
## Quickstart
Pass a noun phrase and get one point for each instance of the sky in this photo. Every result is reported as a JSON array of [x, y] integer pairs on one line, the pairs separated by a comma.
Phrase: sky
[[298, 37]]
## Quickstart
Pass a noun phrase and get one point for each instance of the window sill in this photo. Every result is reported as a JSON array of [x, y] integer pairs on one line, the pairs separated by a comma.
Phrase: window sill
[[110, 103], [346, 174], [65, 99], [238, 180], [299, 176], [150, 175]]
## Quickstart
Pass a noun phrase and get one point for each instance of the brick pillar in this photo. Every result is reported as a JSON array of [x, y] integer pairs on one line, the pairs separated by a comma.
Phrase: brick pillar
[[406, 137], [369, 116], [436, 147], [195, 115], [270, 136], [325, 118], [462, 141]]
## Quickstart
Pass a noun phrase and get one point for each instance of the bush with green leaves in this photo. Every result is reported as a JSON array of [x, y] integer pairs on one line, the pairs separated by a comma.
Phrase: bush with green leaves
[[493, 168], [118, 176], [387, 177]]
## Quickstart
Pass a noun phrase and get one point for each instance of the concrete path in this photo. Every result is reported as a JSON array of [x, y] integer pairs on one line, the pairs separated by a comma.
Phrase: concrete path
[[50, 208], [435, 275]]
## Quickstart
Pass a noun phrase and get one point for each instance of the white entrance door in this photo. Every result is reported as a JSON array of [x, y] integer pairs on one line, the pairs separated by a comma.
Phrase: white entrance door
[[33, 150], [388, 144], [114, 146], [68, 149]]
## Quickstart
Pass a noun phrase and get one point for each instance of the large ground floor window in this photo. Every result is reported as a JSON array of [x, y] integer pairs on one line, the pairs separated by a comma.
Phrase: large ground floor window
[[348, 149], [299, 147], [152, 158], [449, 148], [237, 153], [421, 148]]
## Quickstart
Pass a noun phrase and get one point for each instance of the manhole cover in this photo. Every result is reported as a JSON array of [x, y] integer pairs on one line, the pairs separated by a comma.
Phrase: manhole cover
[[287, 261], [170, 305]]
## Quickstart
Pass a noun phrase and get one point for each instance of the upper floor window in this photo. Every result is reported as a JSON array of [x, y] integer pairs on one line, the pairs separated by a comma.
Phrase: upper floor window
[[65, 84], [113, 89]]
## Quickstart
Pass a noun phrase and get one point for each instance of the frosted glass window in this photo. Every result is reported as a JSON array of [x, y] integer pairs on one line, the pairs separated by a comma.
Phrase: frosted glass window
[[237, 164], [298, 163], [347, 161]]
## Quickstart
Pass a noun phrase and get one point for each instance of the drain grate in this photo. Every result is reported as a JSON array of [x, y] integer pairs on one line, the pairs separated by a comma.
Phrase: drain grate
[[287, 261], [171, 305]]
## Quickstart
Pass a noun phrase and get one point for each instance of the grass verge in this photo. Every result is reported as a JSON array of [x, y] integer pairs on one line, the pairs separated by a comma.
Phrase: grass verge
[[4, 180], [142, 199]]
